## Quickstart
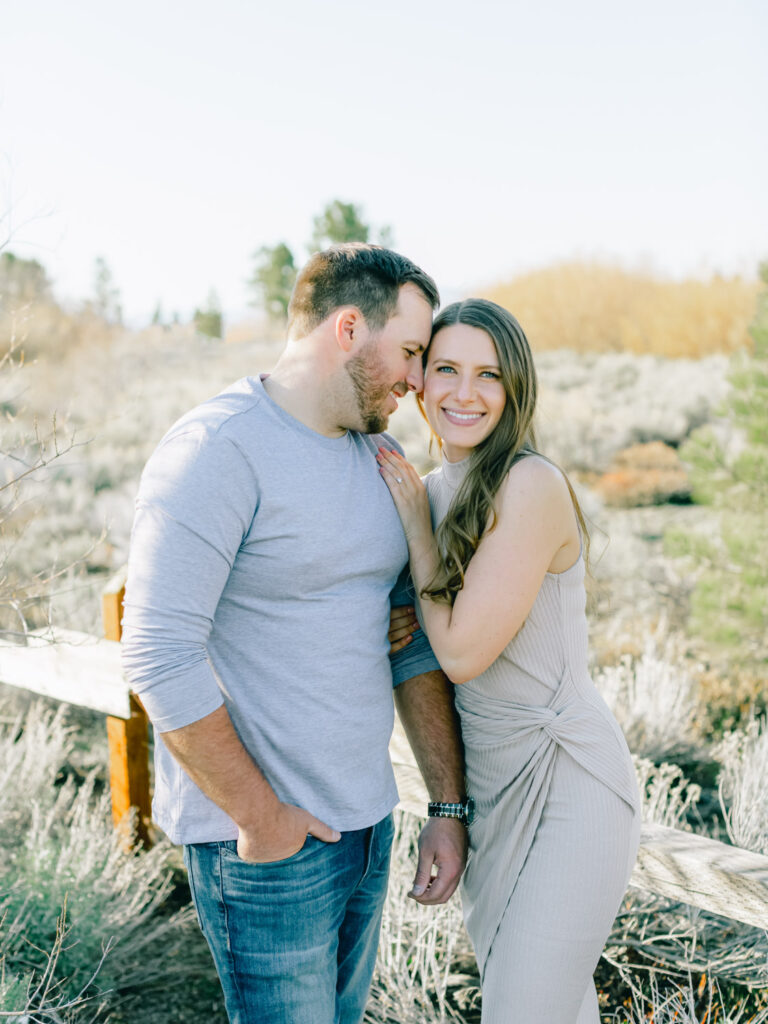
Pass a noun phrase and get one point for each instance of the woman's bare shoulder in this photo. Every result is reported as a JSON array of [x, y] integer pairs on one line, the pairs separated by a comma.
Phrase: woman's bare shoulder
[[535, 478]]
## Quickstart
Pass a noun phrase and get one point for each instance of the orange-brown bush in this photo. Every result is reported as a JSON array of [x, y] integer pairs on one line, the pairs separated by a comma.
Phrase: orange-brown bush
[[596, 308], [644, 474]]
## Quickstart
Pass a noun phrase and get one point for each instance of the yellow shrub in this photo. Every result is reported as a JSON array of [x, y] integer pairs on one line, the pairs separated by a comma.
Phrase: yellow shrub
[[590, 307], [45, 329]]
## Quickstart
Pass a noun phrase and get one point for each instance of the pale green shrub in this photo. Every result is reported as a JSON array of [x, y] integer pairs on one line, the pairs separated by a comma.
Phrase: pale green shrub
[[666, 795], [58, 850], [655, 699], [743, 785], [37, 996]]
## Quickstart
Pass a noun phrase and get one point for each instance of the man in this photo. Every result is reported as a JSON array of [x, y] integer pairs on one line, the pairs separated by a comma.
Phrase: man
[[264, 551]]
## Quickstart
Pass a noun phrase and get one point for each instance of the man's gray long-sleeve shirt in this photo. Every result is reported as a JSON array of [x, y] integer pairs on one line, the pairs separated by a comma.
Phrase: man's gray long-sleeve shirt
[[262, 559]]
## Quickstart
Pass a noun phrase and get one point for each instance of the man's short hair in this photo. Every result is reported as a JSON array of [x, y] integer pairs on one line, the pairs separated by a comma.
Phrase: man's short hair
[[355, 274]]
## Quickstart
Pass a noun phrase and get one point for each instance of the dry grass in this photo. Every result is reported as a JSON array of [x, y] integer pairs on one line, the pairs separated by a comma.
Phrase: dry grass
[[684, 1002], [43, 329], [425, 970], [589, 307]]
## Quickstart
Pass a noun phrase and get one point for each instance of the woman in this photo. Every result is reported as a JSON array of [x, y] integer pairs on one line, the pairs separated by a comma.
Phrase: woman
[[501, 589]]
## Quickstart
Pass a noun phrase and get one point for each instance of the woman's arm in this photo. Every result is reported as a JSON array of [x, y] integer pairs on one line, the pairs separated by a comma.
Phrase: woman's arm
[[535, 520]]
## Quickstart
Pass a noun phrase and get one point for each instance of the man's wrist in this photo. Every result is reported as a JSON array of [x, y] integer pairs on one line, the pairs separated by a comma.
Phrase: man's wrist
[[261, 815]]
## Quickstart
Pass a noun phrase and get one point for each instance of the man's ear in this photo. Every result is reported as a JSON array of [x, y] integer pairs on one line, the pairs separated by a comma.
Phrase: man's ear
[[349, 324]]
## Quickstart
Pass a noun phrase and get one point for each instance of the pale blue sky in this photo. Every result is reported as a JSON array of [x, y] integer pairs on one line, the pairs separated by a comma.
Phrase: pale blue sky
[[175, 138]]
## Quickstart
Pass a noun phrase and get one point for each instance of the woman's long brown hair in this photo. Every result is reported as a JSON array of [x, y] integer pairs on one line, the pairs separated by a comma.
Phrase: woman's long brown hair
[[472, 511]]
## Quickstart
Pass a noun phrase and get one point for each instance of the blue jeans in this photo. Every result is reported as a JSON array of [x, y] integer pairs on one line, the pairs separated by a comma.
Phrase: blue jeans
[[294, 941]]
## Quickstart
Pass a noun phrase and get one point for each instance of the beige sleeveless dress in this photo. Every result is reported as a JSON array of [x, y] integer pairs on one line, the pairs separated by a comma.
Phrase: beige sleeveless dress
[[557, 822]]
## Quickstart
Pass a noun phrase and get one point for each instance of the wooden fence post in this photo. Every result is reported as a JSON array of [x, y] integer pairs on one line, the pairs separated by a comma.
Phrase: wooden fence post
[[128, 739]]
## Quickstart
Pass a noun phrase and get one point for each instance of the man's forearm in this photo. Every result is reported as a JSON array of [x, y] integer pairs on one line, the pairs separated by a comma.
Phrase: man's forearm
[[426, 709], [212, 754]]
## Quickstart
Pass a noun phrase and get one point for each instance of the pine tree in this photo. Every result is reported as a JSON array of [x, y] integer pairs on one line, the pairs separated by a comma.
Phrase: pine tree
[[106, 301], [275, 272], [273, 280], [22, 282], [208, 320], [730, 602], [339, 222]]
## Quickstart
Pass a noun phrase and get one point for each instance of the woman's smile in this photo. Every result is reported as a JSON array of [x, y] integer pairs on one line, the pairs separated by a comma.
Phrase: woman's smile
[[462, 418]]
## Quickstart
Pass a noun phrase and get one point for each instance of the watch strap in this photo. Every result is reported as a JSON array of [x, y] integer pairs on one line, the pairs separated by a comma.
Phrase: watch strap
[[462, 810]]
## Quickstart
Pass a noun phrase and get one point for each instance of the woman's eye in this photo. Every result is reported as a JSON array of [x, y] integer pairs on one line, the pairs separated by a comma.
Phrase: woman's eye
[[445, 369], [490, 374]]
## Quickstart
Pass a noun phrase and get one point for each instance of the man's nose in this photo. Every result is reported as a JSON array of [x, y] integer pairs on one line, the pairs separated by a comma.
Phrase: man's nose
[[415, 378]]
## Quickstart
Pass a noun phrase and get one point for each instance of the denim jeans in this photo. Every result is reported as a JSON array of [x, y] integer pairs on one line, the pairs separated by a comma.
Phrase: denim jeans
[[294, 941]]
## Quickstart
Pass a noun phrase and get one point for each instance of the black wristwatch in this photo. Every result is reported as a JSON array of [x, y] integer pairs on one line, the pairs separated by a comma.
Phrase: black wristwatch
[[465, 811]]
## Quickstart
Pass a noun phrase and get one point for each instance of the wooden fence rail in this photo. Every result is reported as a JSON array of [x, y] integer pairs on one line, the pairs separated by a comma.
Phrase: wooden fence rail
[[81, 669], [84, 670], [681, 865]]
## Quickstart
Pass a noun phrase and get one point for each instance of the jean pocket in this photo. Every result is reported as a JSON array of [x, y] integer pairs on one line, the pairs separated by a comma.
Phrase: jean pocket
[[229, 852]]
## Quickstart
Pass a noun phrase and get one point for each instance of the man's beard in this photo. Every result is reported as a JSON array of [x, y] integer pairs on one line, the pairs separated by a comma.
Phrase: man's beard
[[365, 371]]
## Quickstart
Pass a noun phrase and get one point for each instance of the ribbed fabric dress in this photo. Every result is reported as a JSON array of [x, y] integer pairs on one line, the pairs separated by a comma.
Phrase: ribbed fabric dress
[[557, 820]]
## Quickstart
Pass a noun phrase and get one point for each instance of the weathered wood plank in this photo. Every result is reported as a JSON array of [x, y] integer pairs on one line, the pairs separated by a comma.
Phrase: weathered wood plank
[[69, 666], [699, 871], [703, 872]]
